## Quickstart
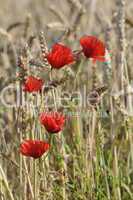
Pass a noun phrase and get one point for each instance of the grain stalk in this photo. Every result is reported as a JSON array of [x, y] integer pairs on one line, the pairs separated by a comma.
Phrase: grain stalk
[[44, 49], [27, 26], [5, 181], [121, 39]]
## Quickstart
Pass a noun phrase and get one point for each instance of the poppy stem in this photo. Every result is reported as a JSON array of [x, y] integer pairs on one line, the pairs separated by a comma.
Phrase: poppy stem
[[94, 77], [53, 91], [34, 168]]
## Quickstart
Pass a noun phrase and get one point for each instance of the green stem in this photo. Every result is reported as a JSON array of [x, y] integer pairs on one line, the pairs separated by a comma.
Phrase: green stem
[[34, 166]]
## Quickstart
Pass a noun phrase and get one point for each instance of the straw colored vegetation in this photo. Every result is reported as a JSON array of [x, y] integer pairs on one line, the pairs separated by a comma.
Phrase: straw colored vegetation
[[90, 156]]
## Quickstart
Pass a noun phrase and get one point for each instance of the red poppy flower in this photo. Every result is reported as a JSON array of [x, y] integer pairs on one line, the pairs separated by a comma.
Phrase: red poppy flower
[[93, 48], [32, 84], [53, 122], [60, 56], [33, 148]]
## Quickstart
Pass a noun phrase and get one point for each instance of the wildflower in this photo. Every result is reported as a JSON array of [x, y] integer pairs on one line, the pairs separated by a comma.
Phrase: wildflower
[[33, 148], [60, 56], [32, 84], [52, 121], [93, 48]]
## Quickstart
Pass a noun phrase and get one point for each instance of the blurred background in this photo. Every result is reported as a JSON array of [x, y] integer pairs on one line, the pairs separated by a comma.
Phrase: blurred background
[[96, 160]]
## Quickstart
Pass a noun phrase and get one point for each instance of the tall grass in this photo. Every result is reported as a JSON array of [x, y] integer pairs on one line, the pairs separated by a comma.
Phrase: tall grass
[[92, 158]]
